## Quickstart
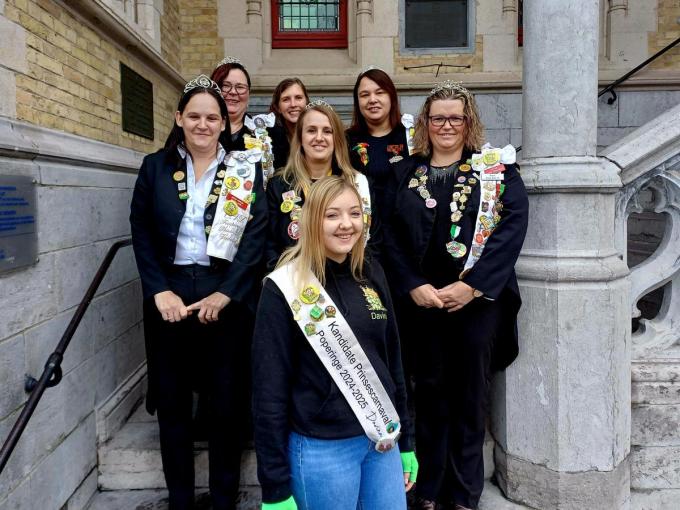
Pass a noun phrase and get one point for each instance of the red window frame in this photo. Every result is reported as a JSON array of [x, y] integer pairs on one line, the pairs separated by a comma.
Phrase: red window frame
[[309, 39]]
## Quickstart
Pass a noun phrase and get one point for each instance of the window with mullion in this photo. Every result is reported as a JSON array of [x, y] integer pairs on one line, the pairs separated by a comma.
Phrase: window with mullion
[[437, 25], [309, 23]]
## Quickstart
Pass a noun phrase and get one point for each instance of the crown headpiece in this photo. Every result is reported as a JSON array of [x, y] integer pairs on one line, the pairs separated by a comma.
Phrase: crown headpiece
[[371, 68], [228, 60], [201, 81], [450, 86], [318, 102]]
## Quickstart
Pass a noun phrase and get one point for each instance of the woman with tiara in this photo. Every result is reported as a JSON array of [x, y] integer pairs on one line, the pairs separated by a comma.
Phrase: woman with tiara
[[329, 406], [198, 235], [457, 224], [318, 149]]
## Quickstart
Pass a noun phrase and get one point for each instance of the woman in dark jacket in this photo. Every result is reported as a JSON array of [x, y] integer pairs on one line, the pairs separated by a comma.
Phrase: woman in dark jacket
[[329, 395], [457, 225], [198, 235], [288, 102]]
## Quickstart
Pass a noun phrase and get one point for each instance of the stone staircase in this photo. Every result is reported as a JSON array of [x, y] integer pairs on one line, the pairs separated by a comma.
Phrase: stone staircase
[[131, 474]]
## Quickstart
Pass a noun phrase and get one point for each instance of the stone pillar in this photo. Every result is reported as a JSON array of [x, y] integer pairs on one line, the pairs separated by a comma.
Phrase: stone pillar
[[562, 410]]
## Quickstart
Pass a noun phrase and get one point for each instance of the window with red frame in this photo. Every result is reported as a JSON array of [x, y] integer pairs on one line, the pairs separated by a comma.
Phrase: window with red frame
[[309, 23]]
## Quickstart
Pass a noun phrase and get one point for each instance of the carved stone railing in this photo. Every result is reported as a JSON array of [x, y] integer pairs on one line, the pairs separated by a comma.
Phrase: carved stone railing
[[649, 159]]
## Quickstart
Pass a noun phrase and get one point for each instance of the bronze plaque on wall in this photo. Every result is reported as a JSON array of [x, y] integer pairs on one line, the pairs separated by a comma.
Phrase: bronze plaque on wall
[[137, 93], [18, 222]]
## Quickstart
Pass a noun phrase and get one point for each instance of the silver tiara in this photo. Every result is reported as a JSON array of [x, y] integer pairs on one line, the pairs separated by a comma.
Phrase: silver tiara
[[201, 81], [450, 86], [371, 68], [228, 60], [318, 102]]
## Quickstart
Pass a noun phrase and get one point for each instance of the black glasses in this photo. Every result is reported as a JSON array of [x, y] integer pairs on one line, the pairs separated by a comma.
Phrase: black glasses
[[440, 120], [239, 88]]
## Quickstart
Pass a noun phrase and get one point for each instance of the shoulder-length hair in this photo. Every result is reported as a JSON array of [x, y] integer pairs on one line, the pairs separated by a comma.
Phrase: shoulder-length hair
[[383, 80], [278, 92], [308, 255], [220, 73], [474, 134], [296, 171], [176, 137]]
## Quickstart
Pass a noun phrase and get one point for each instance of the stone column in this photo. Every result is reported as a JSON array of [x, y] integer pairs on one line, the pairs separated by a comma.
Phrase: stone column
[[562, 410]]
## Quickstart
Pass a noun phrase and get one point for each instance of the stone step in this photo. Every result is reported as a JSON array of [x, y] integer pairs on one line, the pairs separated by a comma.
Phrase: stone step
[[492, 499]]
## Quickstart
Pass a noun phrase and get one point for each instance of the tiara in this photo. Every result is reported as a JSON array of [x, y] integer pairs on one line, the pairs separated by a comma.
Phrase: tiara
[[318, 102], [371, 68], [450, 86], [202, 81], [228, 60]]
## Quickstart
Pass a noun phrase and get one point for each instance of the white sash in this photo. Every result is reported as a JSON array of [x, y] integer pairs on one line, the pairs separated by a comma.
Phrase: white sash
[[490, 165], [258, 125], [365, 194], [233, 205], [407, 122], [342, 356]]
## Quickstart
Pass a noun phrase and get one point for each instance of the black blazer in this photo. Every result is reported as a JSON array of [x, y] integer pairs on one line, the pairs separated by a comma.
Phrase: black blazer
[[407, 237], [155, 216]]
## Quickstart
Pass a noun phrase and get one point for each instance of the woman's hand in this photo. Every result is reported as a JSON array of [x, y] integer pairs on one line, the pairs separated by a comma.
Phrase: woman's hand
[[410, 465], [287, 504], [456, 295], [170, 306], [209, 307], [426, 296]]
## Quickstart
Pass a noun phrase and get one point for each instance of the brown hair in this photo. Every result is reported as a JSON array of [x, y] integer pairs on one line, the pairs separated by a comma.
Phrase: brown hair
[[309, 253], [295, 172], [221, 72], [382, 79], [278, 92], [474, 133]]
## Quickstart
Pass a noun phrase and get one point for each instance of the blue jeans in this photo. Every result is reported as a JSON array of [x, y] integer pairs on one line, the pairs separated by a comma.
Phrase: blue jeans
[[344, 474]]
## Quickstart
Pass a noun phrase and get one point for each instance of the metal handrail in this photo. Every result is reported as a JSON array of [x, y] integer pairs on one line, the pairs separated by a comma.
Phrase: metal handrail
[[610, 88], [52, 373]]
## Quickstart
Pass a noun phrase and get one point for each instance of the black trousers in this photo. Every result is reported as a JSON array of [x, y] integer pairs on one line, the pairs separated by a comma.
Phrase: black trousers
[[450, 357], [214, 360]]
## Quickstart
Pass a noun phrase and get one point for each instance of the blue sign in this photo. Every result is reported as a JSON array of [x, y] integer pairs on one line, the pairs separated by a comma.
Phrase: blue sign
[[18, 227]]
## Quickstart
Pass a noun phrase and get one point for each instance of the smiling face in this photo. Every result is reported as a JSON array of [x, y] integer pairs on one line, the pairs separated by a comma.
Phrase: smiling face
[[291, 103], [237, 104], [342, 225], [374, 102], [317, 138], [447, 140], [201, 122]]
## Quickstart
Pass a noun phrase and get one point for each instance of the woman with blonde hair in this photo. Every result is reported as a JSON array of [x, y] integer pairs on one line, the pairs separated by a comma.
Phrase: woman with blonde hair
[[329, 403], [318, 150], [457, 224]]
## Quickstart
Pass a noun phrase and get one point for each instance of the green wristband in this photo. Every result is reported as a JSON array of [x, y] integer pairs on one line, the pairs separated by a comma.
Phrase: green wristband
[[287, 504], [410, 465]]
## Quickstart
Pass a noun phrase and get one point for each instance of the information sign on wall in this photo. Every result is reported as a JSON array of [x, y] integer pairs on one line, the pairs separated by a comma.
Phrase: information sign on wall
[[18, 222]]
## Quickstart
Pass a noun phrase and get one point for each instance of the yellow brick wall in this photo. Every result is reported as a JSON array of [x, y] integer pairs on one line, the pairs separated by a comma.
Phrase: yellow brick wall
[[201, 46], [668, 30], [72, 81], [171, 33], [474, 60]]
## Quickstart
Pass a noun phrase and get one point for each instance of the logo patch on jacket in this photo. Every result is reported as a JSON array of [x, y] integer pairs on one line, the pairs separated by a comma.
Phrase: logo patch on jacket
[[374, 304]]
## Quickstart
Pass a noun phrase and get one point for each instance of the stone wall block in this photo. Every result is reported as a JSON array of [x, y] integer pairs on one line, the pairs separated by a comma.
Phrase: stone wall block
[[13, 47], [638, 108], [81, 497], [115, 312], [8, 94], [76, 267], [609, 135], [500, 110], [93, 214], [105, 368], [660, 499], [28, 296], [497, 137], [656, 392], [130, 353], [656, 467], [11, 375], [608, 114], [656, 425], [500, 52]]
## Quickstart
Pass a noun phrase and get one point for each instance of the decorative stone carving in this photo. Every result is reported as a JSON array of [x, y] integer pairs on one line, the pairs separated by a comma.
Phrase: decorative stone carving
[[365, 7], [509, 6], [253, 8], [618, 5]]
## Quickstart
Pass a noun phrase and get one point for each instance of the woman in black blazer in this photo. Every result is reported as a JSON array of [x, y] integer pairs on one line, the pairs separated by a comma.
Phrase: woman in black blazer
[[197, 287], [457, 224]]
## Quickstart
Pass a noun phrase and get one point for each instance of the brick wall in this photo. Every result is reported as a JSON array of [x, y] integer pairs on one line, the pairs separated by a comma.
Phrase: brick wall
[[668, 30], [72, 81], [201, 46], [170, 33]]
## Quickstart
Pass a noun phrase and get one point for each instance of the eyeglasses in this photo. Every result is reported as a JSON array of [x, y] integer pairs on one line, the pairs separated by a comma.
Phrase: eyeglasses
[[440, 120], [239, 88]]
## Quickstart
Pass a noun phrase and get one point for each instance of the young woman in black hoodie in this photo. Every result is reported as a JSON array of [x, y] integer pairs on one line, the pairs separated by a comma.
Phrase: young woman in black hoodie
[[326, 355]]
